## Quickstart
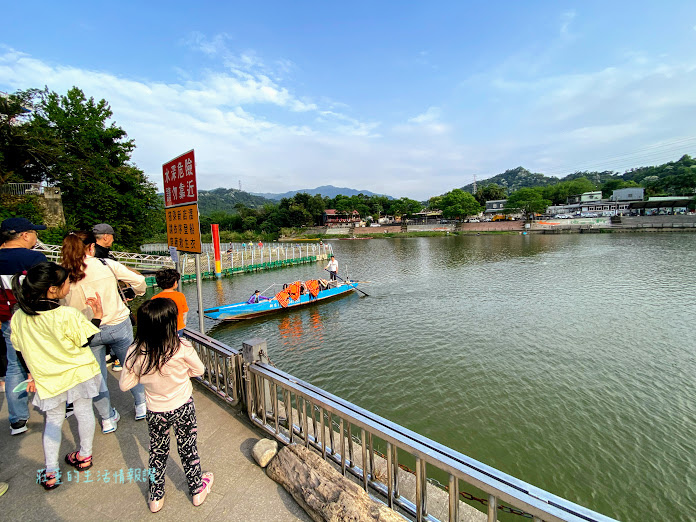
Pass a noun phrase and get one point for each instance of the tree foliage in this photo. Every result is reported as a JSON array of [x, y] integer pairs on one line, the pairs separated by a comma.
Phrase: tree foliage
[[527, 201], [558, 193], [490, 192], [69, 141], [458, 204]]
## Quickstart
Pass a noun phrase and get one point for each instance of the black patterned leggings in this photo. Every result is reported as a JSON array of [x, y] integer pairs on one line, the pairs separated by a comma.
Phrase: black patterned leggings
[[183, 420]]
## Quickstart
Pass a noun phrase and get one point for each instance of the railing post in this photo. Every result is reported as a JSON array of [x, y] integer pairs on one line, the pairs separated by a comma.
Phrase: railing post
[[255, 351], [453, 498], [492, 508]]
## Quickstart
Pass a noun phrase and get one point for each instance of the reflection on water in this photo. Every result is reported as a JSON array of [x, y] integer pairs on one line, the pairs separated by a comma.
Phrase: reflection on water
[[301, 331], [220, 292], [564, 360]]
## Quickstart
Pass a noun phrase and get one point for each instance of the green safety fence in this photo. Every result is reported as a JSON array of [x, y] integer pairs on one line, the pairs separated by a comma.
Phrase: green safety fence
[[280, 263]]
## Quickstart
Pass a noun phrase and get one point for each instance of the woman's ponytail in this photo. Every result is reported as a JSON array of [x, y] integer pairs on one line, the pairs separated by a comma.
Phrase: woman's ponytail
[[73, 253]]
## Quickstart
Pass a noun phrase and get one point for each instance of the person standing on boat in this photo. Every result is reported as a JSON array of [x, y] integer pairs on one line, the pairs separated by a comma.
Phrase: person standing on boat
[[332, 267], [257, 297]]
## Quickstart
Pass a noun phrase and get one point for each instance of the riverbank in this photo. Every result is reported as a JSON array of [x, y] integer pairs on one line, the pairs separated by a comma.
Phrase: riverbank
[[549, 226]]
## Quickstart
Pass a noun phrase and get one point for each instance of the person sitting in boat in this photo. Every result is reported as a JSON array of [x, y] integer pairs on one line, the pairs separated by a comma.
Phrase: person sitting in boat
[[257, 297]]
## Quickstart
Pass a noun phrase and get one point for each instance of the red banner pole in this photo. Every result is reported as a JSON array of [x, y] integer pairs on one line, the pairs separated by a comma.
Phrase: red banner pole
[[216, 246]]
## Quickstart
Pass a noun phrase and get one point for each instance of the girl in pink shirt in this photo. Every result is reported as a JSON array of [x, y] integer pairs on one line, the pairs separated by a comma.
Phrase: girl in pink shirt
[[164, 364]]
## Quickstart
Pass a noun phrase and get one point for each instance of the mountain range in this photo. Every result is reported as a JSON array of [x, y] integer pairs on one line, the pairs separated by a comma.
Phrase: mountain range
[[325, 190]]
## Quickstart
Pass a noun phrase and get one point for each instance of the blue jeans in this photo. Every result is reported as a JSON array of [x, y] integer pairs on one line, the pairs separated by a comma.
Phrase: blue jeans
[[17, 403], [118, 337]]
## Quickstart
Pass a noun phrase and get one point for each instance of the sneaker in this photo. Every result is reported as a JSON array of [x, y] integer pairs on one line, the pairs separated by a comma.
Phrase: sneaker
[[156, 505], [69, 411], [199, 497], [117, 366], [140, 411], [110, 425], [18, 427]]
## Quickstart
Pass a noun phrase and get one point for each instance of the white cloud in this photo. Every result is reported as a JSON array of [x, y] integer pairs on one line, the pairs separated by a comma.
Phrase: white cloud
[[431, 115], [566, 19], [223, 117]]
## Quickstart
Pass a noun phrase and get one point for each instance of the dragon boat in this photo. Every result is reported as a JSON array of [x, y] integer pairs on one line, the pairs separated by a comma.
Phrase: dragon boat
[[295, 295]]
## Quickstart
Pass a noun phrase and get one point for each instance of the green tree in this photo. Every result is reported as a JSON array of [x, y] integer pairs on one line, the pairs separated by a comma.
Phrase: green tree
[[489, 193], [615, 184], [15, 151], [528, 201], [459, 204], [68, 141], [558, 193]]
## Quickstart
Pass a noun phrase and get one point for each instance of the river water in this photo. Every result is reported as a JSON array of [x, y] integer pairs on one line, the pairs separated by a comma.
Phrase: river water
[[564, 360]]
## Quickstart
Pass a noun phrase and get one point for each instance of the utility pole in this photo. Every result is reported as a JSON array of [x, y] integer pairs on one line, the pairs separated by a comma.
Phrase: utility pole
[[474, 183]]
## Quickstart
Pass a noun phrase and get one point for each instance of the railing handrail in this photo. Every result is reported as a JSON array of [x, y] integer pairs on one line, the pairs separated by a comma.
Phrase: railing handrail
[[506, 487], [538, 502]]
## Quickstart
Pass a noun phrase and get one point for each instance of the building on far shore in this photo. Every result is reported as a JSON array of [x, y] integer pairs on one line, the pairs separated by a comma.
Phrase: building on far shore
[[662, 206], [335, 218], [628, 194], [592, 203], [495, 206]]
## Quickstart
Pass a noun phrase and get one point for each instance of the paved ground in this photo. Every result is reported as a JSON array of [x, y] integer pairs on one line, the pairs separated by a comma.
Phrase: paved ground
[[241, 491]]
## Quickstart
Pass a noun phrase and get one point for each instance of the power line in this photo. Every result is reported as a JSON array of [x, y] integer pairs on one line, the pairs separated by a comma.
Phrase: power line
[[656, 152]]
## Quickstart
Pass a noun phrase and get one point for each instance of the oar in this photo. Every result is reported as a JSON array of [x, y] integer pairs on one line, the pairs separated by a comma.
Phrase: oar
[[354, 287]]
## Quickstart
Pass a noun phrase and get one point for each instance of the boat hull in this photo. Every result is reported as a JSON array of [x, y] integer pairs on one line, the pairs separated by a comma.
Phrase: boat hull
[[243, 311]]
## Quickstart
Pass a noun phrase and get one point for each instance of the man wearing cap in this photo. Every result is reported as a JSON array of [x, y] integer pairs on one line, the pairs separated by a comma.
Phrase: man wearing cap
[[105, 238], [18, 236]]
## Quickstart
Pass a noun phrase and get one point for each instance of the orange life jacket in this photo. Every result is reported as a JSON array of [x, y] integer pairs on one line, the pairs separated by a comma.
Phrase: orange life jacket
[[313, 287], [294, 290], [283, 298]]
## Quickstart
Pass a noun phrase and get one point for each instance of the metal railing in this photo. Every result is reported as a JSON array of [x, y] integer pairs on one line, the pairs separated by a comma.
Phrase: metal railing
[[234, 258], [368, 447], [21, 189], [222, 366]]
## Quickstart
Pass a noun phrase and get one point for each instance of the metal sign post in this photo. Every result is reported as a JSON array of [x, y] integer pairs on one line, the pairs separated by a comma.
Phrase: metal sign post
[[199, 290], [181, 210]]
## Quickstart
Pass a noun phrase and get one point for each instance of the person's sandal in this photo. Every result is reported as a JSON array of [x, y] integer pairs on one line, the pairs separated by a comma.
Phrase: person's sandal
[[44, 478], [199, 497], [77, 463]]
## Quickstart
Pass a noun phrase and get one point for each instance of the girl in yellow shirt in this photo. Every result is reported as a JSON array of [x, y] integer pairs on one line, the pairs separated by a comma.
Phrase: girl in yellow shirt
[[53, 345]]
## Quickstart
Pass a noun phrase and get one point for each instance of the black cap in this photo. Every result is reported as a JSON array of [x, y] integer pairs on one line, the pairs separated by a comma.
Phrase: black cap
[[19, 224]]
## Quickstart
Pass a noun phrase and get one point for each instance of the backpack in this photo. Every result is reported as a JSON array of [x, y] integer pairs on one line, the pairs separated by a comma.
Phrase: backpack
[[7, 302]]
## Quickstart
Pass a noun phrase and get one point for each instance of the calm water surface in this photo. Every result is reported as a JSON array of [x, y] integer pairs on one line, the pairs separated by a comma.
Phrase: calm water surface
[[566, 361]]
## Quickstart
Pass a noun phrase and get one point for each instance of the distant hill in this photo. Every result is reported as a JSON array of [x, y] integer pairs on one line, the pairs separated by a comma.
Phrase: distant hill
[[223, 199], [674, 177], [326, 190], [515, 179]]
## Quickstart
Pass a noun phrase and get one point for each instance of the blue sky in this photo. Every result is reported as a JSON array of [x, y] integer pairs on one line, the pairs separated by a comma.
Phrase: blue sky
[[404, 98]]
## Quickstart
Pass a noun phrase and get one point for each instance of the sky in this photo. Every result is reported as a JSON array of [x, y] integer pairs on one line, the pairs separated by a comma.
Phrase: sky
[[400, 98]]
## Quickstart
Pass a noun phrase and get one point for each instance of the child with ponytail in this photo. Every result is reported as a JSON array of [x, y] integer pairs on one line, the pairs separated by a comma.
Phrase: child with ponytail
[[164, 363], [52, 342]]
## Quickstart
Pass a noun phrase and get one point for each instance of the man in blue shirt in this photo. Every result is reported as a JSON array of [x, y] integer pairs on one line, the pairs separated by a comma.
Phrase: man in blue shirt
[[17, 236]]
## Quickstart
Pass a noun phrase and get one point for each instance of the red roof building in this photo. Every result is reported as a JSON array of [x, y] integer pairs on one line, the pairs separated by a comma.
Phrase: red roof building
[[335, 218]]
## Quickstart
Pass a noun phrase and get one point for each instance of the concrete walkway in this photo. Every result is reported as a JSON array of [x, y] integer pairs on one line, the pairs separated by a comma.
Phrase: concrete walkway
[[241, 491]]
